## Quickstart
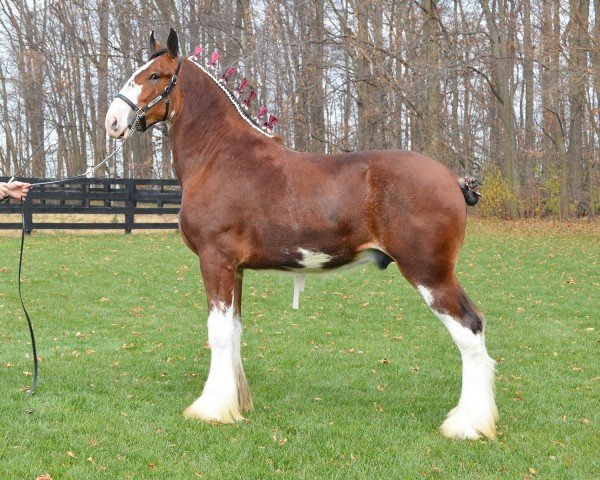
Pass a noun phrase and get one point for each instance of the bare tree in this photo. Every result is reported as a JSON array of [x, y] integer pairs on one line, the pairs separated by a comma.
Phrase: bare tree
[[507, 84]]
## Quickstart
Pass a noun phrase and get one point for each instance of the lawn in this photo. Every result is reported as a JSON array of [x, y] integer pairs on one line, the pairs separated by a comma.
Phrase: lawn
[[121, 326]]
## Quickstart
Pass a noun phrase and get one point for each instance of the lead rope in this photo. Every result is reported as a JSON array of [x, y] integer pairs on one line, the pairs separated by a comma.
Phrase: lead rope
[[31, 390]]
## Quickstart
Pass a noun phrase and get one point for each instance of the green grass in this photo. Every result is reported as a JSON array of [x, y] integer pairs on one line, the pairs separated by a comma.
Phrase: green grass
[[121, 326]]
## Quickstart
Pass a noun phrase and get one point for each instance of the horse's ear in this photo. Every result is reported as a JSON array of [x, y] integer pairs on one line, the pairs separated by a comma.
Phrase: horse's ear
[[173, 44], [154, 45]]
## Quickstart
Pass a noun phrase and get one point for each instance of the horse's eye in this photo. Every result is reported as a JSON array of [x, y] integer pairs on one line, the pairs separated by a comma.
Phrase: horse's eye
[[154, 76]]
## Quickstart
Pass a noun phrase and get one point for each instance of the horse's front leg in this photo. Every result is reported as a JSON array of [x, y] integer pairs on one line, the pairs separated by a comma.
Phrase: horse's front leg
[[244, 397], [225, 393]]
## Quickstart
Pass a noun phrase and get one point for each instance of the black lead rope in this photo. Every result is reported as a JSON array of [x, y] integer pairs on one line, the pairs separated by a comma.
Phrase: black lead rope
[[31, 391], [31, 332]]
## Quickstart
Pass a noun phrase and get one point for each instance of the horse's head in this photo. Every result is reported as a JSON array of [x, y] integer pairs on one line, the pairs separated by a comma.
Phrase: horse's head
[[144, 100]]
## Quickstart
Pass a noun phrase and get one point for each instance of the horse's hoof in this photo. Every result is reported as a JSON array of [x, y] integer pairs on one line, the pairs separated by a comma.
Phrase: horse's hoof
[[459, 426], [209, 410]]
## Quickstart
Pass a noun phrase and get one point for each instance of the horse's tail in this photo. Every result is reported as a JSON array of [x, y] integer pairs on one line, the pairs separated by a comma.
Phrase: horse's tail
[[469, 185]]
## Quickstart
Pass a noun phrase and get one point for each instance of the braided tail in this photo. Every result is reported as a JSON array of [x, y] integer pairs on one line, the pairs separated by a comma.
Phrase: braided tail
[[469, 185]]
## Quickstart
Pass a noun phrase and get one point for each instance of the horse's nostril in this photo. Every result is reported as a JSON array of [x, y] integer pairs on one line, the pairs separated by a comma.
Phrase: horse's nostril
[[115, 125]]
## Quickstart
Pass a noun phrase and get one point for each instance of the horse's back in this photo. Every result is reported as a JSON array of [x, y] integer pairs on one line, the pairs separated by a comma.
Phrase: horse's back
[[401, 179]]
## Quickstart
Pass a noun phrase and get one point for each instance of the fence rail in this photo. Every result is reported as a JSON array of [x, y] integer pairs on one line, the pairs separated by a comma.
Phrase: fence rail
[[92, 196]]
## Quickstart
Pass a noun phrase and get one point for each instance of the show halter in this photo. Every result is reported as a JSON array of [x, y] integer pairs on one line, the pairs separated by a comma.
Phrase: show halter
[[140, 112]]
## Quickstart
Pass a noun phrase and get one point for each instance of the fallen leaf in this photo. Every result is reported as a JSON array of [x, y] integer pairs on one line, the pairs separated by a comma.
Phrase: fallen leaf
[[532, 471], [384, 361], [71, 454], [44, 477], [518, 396]]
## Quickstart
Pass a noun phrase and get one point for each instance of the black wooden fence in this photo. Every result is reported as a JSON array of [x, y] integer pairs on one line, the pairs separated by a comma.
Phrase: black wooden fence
[[130, 197]]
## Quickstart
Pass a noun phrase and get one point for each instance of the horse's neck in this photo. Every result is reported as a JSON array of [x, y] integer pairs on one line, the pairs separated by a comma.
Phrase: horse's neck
[[208, 125]]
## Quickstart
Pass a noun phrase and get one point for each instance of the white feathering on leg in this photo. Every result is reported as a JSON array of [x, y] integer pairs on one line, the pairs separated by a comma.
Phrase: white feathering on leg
[[219, 400], [476, 413]]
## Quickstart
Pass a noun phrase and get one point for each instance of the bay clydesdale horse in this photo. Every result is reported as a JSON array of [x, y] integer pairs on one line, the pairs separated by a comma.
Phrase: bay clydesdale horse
[[250, 202]]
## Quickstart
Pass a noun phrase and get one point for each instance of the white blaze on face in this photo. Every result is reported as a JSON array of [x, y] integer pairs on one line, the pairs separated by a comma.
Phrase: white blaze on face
[[120, 115]]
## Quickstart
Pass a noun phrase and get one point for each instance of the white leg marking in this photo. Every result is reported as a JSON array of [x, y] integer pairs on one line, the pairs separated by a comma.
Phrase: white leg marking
[[476, 412], [244, 397], [302, 279], [426, 294], [299, 282], [219, 400]]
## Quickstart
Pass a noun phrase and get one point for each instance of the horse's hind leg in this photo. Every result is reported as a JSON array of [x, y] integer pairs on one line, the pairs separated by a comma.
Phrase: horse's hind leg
[[226, 392], [476, 412]]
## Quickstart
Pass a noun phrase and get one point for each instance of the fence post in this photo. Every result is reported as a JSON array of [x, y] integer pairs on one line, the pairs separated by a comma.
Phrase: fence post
[[130, 205], [85, 189], [107, 201], [28, 215], [160, 203]]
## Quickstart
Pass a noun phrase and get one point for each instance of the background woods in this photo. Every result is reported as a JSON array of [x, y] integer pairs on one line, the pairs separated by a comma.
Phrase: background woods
[[506, 89]]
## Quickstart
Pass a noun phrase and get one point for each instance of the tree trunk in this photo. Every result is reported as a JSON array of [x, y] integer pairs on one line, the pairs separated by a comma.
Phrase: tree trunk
[[315, 77], [102, 72], [431, 137], [362, 72], [11, 151], [529, 130], [578, 31], [504, 95]]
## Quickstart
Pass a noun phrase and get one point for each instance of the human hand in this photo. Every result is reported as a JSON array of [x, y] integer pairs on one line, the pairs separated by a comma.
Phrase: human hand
[[16, 190]]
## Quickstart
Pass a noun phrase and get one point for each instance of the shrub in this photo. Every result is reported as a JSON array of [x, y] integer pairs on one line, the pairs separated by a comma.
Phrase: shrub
[[498, 200]]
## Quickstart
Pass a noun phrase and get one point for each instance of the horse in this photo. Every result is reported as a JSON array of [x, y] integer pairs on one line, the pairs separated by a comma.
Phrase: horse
[[249, 202]]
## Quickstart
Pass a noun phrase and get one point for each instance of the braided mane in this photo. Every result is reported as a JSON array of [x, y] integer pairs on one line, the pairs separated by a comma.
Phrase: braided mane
[[242, 106]]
